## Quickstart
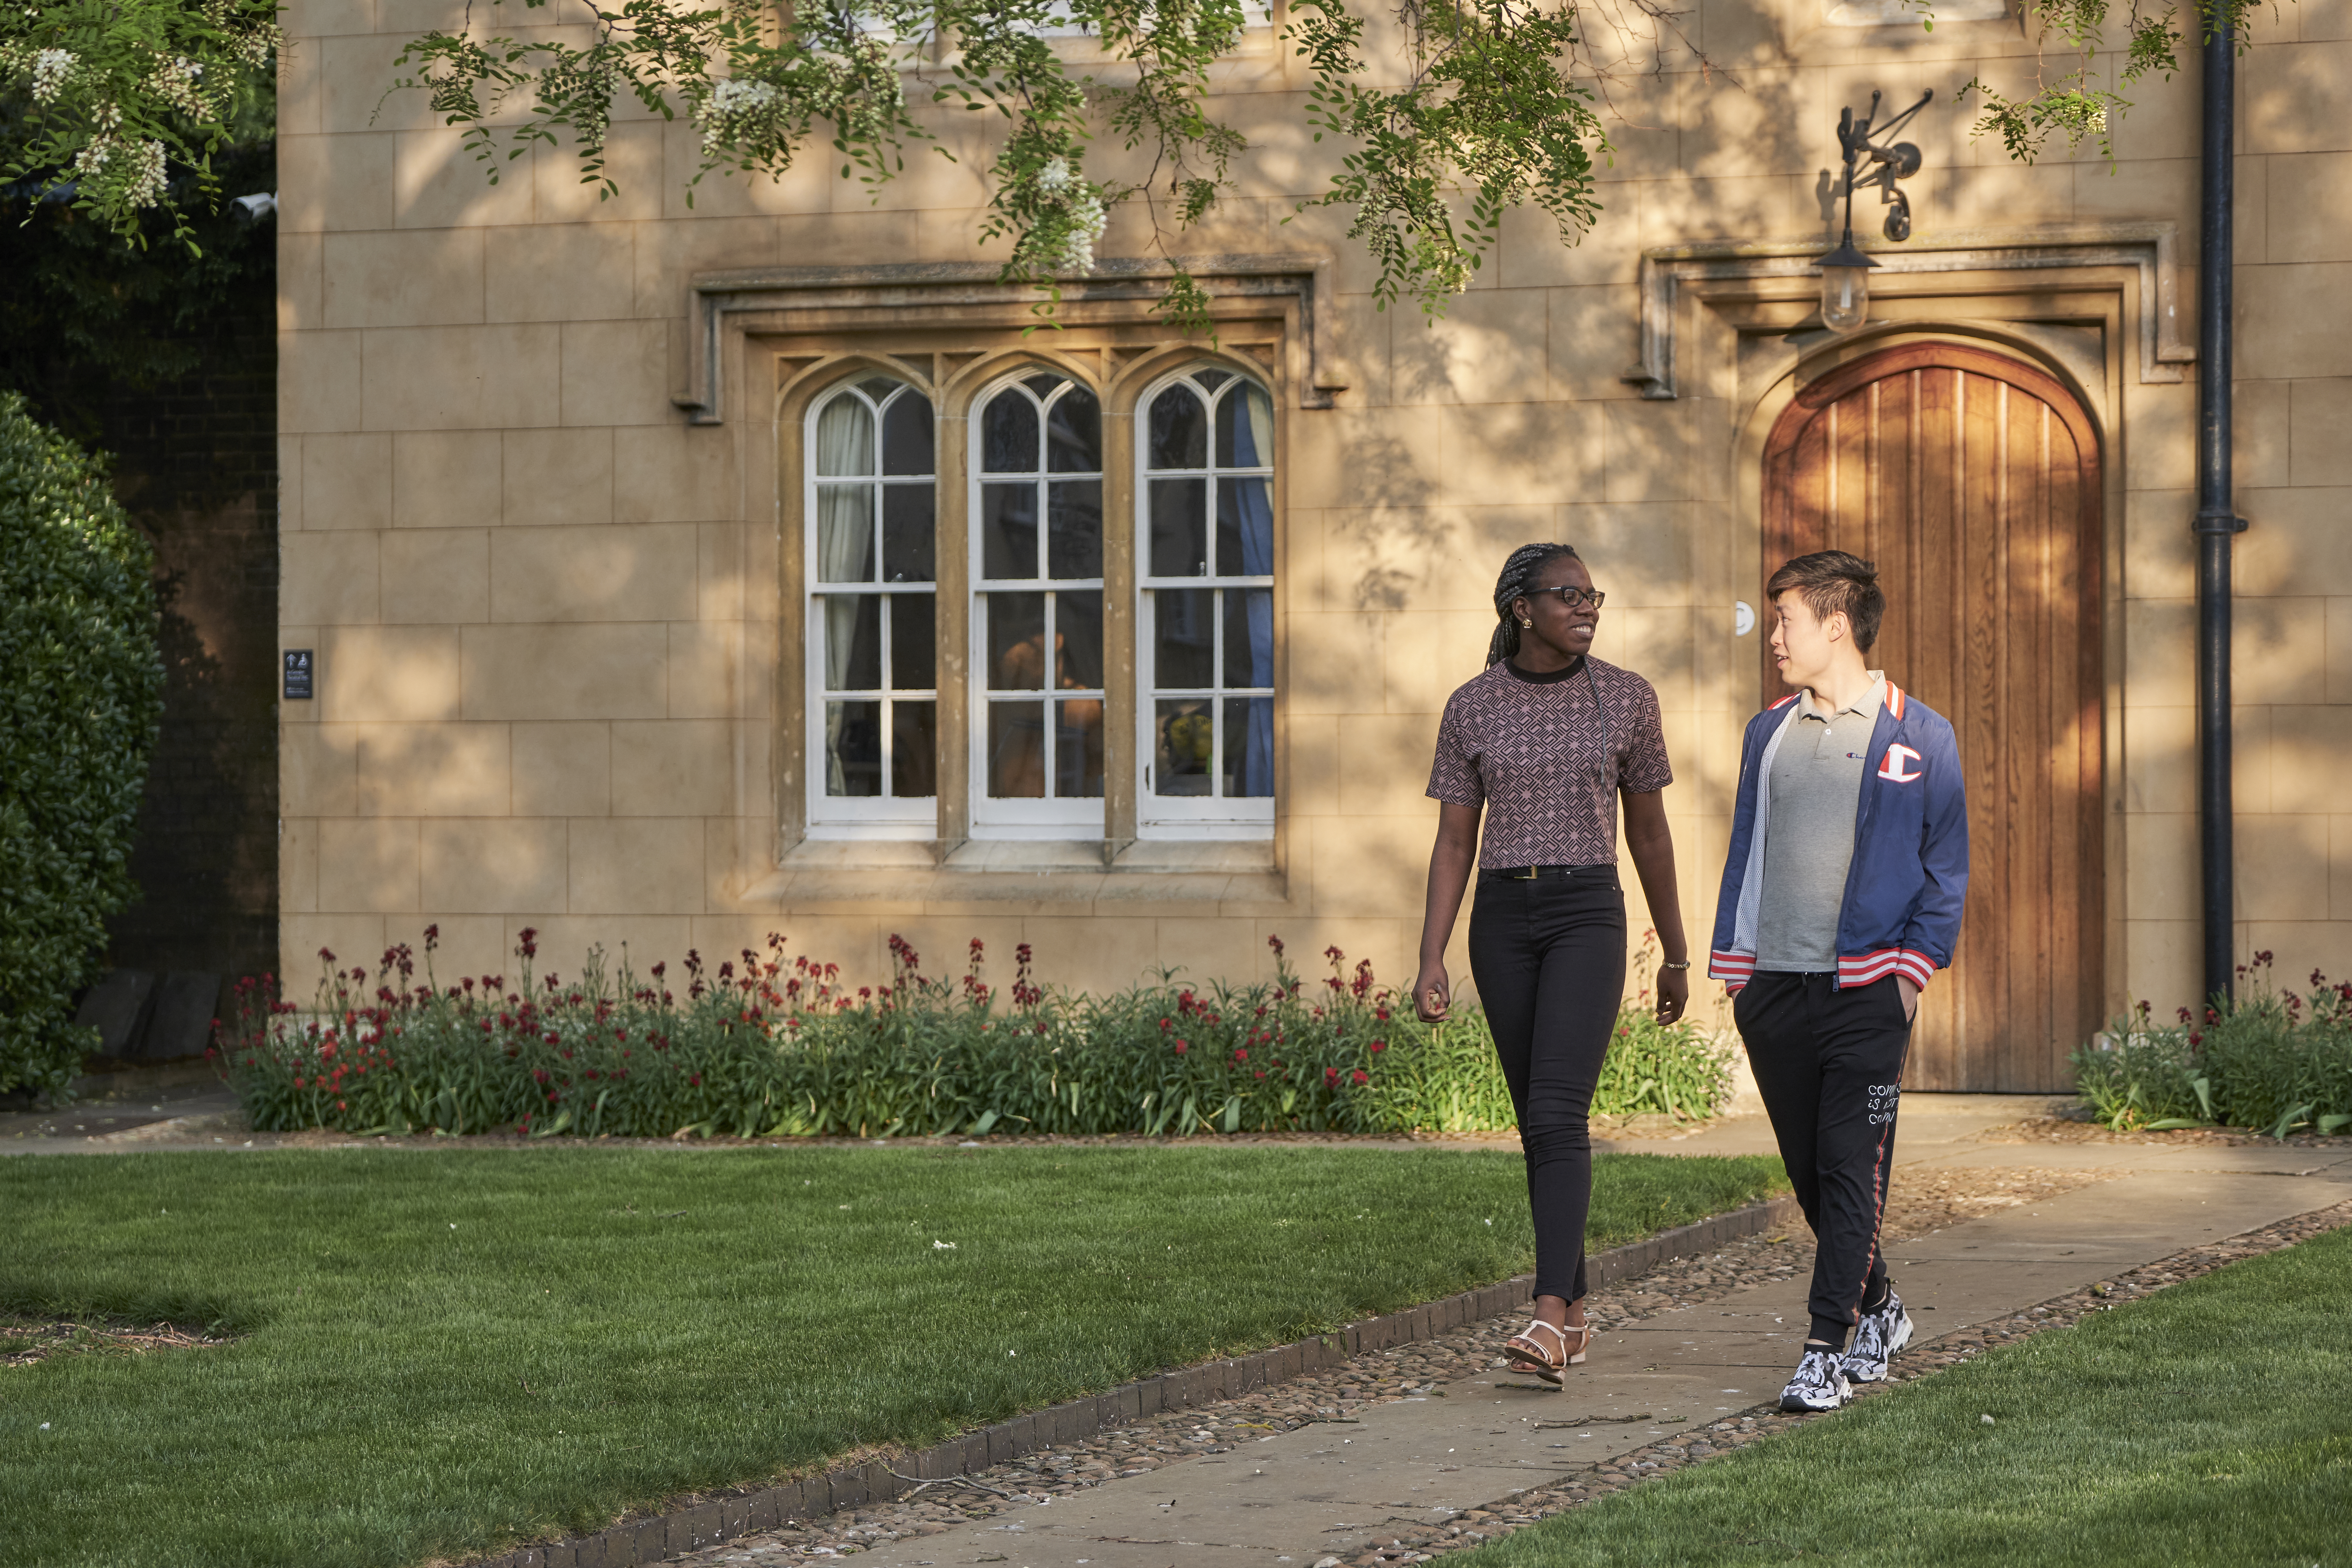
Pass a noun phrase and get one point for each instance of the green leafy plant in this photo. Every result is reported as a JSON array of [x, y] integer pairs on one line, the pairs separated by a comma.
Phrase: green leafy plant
[[2271, 1059], [80, 691], [1486, 116], [762, 1047], [113, 98], [2075, 102]]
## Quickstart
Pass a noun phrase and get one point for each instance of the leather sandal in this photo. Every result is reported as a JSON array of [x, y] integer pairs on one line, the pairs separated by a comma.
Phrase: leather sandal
[[1527, 1354]]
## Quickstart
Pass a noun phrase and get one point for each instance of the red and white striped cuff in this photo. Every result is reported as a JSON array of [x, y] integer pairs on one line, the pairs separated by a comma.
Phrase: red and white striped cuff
[[1863, 969]]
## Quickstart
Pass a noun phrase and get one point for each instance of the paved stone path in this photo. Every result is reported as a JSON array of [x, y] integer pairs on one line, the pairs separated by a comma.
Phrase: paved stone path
[[1334, 1490]]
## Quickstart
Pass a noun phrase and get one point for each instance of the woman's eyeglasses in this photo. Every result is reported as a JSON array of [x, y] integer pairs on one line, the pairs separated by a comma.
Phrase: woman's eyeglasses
[[1574, 598]]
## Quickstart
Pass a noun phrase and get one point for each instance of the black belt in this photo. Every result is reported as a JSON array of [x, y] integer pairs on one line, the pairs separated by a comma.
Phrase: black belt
[[1534, 873]]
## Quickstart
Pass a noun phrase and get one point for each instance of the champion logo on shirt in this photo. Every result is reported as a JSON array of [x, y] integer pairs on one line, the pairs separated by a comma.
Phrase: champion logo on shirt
[[1897, 768]]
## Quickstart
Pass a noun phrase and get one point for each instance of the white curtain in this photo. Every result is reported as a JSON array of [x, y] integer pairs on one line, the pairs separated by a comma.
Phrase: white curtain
[[844, 513], [844, 547]]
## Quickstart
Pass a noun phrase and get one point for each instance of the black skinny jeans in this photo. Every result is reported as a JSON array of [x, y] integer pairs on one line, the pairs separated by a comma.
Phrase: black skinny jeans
[[1548, 956]]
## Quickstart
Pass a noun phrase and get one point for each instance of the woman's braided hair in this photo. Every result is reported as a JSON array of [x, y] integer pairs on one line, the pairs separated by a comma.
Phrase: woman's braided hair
[[1522, 569]]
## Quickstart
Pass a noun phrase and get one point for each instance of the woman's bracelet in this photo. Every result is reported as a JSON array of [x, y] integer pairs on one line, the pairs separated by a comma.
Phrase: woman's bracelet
[[1684, 965]]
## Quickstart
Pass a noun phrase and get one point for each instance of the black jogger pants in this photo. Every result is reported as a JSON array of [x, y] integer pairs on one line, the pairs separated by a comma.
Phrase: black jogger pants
[[1829, 1064], [1548, 956]]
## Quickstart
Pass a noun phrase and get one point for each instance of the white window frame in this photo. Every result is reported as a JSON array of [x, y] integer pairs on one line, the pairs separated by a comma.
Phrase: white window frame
[[861, 816], [1190, 816], [1078, 816]]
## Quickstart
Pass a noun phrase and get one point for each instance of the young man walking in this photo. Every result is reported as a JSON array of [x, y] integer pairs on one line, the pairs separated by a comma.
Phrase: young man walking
[[1842, 894]]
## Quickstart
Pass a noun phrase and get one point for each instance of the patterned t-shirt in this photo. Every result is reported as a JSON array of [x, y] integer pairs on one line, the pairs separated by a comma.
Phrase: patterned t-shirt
[[1531, 750]]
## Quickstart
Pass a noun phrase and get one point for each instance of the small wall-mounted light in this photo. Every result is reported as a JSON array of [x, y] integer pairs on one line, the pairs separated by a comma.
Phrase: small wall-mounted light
[[1845, 287], [1845, 271]]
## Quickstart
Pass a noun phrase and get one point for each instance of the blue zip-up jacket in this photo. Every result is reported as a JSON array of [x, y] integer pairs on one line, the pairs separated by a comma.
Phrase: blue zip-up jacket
[[1910, 871]]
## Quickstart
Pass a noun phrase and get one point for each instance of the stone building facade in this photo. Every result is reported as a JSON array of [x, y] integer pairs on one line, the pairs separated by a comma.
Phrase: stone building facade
[[680, 574]]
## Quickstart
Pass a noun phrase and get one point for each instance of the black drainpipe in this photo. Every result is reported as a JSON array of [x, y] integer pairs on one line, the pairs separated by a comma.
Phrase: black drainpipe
[[2217, 520]]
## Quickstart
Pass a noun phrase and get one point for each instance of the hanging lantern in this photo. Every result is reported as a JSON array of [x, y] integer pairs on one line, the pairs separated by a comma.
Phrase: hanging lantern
[[1845, 271], [1845, 287]]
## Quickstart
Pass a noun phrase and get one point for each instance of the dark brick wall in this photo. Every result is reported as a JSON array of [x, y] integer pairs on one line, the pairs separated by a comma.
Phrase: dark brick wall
[[195, 462]]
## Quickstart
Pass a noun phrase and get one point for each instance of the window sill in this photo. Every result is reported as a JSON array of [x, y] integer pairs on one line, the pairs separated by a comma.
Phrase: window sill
[[1026, 871]]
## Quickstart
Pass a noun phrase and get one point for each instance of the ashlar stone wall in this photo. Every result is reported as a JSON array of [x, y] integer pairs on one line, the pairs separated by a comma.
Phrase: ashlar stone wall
[[552, 614]]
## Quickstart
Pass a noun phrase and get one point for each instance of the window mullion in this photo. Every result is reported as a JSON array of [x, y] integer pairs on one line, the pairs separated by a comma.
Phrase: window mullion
[[1125, 625]]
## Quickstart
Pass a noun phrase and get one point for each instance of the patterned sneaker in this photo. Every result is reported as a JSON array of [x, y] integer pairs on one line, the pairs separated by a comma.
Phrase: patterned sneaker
[[1819, 1384], [1876, 1340]]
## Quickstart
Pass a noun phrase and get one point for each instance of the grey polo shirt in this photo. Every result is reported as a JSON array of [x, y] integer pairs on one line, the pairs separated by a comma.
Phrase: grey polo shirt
[[1815, 785]]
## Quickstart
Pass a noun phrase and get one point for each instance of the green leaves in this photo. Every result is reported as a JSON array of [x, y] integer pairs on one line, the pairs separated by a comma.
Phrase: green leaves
[[80, 691], [772, 1049], [2271, 1059], [1488, 119], [2077, 104], [121, 96], [1489, 109]]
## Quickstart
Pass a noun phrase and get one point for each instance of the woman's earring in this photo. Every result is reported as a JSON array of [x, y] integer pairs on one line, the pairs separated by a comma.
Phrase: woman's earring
[[1526, 622]]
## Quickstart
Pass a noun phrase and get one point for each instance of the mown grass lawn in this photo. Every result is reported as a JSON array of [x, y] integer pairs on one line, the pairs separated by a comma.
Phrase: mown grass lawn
[[2207, 1424], [450, 1350]]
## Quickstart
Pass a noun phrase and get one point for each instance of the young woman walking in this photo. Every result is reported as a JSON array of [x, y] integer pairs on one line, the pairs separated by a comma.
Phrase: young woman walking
[[1543, 743]]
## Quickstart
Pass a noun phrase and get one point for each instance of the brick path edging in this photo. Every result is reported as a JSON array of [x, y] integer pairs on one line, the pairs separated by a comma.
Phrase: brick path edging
[[654, 1539]]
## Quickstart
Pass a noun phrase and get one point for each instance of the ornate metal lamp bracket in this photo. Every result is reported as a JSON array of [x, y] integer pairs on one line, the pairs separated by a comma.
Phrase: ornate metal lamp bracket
[[1884, 161]]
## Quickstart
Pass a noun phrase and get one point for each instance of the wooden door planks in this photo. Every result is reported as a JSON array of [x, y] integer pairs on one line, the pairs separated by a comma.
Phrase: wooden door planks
[[1972, 481]]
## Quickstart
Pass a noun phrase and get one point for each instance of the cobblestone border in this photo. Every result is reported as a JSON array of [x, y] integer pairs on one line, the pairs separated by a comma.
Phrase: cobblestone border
[[706, 1524]]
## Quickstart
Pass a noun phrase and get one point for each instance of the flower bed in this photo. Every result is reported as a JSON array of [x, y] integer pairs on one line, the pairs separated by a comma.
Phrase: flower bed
[[765, 1045], [2271, 1059]]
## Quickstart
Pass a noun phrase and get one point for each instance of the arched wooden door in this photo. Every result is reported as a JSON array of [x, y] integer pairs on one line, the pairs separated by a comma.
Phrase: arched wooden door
[[1973, 481]]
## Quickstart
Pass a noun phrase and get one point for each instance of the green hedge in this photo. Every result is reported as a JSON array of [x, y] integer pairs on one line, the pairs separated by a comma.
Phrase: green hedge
[[2273, 1060], [765, 1047], [80, 689]]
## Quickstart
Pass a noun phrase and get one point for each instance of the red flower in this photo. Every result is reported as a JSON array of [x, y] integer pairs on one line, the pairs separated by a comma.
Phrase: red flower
[[1330, 1078], [1362, 1077], [1241, 1056], [1379, 1045], [1181, 1048]]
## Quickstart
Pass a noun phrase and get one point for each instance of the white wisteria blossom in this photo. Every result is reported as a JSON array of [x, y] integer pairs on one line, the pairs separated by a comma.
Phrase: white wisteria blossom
[[50, 69], [180, 83], [123, 106], [1076, 218]]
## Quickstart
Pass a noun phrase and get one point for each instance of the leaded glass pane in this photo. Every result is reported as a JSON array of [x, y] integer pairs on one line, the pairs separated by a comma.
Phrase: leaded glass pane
[[909, 534], [907, 445], [914, 749], [1184, 625], [1008, 429], [1180, 429], [1074, 434], [1016, 642], [1016, 751]]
